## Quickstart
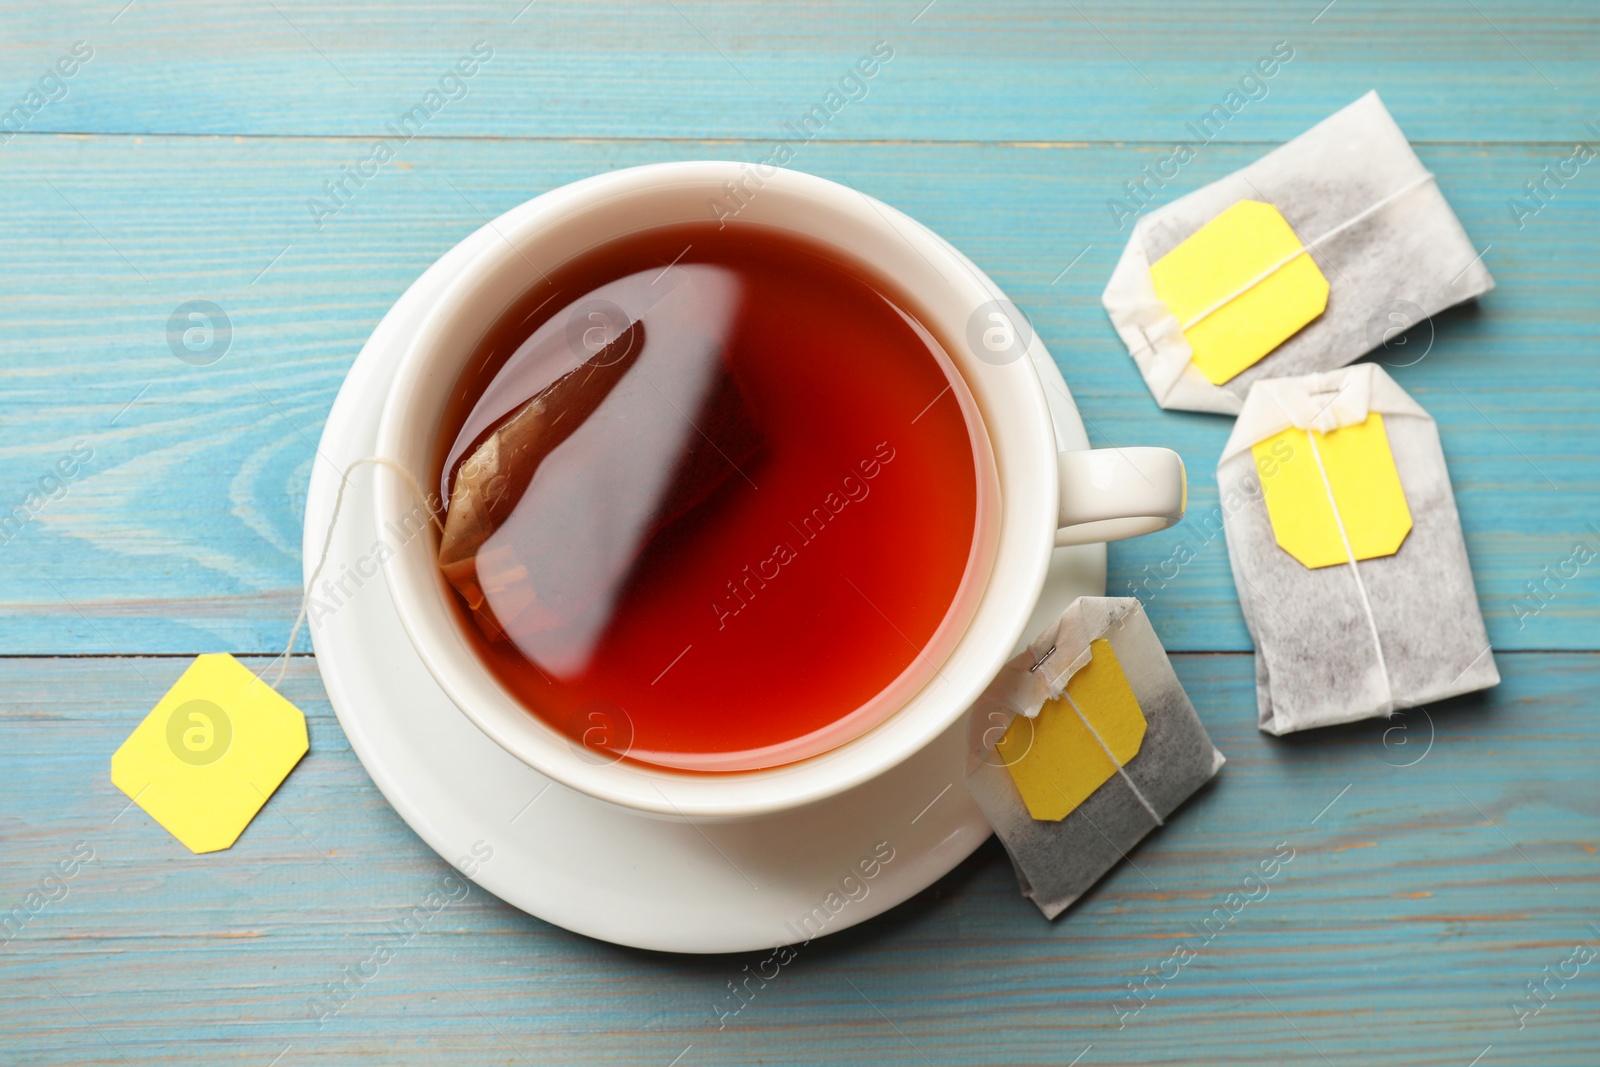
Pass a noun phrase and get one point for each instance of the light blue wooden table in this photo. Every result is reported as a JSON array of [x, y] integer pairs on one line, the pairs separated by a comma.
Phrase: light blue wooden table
[[1431, 885]]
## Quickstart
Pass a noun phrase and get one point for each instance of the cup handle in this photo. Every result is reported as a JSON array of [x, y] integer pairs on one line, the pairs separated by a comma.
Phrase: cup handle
[[1108, 494]]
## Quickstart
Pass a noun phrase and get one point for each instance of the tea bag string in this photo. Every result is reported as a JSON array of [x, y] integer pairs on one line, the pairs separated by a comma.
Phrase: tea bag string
[[1305, 249], [327, 543], [1139, 796], [1361, 586]]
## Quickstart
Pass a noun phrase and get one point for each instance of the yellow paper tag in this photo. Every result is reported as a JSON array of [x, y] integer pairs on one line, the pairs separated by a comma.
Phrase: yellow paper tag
[[1364, 482], [1227, 257], [210, 753], [1056, 762]]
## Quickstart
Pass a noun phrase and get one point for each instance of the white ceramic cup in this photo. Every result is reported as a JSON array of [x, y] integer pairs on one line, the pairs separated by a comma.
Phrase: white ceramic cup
[[1046, 498]]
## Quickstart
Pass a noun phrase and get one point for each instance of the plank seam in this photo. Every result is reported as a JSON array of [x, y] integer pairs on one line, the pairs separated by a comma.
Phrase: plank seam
[[886, 142]]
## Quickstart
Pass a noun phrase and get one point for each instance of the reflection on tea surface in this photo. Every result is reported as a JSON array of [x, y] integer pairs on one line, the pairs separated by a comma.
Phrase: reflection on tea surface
[[716, 482]]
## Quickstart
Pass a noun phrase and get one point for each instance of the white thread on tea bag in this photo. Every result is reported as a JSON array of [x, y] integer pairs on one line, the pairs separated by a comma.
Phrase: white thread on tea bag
[[1355, 572], [1327, 654], [327, 546], [214, 749], [1393, 253], [1137, 793], [1061, 854], [1305, 249]]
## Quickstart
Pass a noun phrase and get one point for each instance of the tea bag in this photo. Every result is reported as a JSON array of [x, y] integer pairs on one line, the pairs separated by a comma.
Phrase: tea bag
[[1320, 251], [1347, 552], [556, 500], [1082, 745], [492, 477]]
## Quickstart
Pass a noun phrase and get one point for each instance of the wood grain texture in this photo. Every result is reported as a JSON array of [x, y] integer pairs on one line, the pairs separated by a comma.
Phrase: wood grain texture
[[182, 534], [1414, 909], [1424, 893], [1031, 71]]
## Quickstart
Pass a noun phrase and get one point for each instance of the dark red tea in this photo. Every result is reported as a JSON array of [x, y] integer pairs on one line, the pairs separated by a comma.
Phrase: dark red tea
[[737, 509]]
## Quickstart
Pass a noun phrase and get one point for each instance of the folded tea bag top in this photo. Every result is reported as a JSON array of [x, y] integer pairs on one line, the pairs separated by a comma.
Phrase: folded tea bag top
[[1084, 743], [1318, 252], [1347, 552]]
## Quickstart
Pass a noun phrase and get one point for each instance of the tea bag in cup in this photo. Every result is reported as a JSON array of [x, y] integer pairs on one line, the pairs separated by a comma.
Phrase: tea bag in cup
[[1082, 745], [605, 457], [493, 476], [1347, 552], [1325, 248]]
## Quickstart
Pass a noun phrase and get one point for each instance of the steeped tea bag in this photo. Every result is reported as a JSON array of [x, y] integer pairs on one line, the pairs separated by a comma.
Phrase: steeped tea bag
[[1347, 552], [1082, 745], [493, 476], [1318, 252], [556, 499]]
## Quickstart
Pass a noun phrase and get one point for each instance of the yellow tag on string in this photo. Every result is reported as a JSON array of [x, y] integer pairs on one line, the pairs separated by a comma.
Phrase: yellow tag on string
[[210, 753], [1364, 485], [1239, 288], [1054, 760]]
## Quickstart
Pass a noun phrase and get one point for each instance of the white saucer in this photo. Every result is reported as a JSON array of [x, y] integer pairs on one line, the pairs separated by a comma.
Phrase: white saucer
[[577, 862]]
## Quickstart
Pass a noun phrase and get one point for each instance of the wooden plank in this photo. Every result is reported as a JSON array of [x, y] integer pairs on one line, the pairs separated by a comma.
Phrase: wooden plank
[[1431, 882], [1420, 900], [182, 533], [1034, 71]]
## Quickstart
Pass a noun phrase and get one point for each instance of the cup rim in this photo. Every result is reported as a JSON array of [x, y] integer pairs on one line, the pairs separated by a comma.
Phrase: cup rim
[[1023, 442]]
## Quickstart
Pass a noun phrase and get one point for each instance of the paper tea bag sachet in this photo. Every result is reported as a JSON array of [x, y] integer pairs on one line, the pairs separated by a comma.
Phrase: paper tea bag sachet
[[1318, 252], [1083, 744], [556, 499], [1347, 552], [491, 479]]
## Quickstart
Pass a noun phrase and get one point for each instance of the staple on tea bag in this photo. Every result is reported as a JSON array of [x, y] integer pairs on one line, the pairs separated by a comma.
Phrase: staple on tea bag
[[1355, 202], [1347, 552], [1057, 760], [1082, 745]]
